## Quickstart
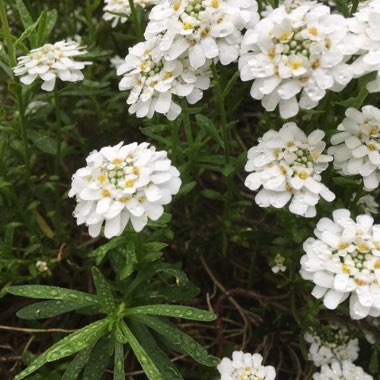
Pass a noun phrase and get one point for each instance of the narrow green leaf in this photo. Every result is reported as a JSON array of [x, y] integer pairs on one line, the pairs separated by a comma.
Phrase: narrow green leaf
[[47, 23], [212, 194], [100, 252], [176, 311], [69, 345], [230, 84], [118, 369], [180, 276], [47, 309], [43, 142], [149, 367], [75, 367], [210, 127], [130, 260], [26, 18], [98, 361], [374, 362], [166, 367], [27, 32], [119, 336], [179, 340], [103, 291], [185, 189], [51, 292]]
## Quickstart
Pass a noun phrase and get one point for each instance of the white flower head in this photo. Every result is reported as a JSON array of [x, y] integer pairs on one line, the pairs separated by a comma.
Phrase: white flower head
[[341, 371], [122, 183], [365, 27], [279, 266], [153, 80], [357, 150], [120, 10], [287, 165], [344, 261], [50, 62], [204, 29], [116, 61], [294, 56], [368, 204], [244, 366], [42, 266], [331, 343]]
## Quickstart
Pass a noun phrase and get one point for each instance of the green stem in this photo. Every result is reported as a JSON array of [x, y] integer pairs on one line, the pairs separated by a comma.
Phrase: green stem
[[188, 133], [222, 112], [136, 20], [58, 157]]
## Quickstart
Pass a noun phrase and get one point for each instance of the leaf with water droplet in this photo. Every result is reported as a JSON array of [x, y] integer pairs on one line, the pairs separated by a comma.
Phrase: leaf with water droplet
[[166, 367], [51, 308], [179, 341], [103, 291], [98, 361], [118, 369], [75, 367], [69, 345], [51, 292], [149, 367], [176, 311]]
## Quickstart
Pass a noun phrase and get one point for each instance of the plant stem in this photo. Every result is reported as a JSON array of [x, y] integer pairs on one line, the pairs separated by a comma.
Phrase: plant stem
[[222, 112], [136, 20], [58, 156]]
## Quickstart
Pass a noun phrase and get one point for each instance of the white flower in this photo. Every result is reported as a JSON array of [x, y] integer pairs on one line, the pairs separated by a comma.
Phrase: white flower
[[122, 183], [122, 7], [50, 62], [42, 266], [342, 371], [279, 260], [245, 367], [368, 204], [331, 343], [116, 61], [34, 106], [369, 334], [358, 145], [295, 57], [365, 26], [153, 80], [204, 29], [344, 261], [287, 164]]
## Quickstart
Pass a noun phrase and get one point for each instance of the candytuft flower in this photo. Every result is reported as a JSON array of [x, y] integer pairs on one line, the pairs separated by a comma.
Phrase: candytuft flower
[[295, 55], [368, 204], [120, 10], [357, 150], [287, 165], [332, 342], [245, 366], [50, 62], [345, 371], [203, 29], [344, 261], [122, 183], [153, 80], [279, 266]]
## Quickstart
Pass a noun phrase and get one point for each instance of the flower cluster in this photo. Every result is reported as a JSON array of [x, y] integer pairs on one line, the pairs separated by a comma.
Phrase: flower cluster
[[279, 266], [122, 183], [333, 342], [344, 261], [287, 164], [153, 80], [120, 10], [203, 29], [50, 62], [244, 366], [357, 150], [345, 371], [368, 204], [295, 55], [365, 26]]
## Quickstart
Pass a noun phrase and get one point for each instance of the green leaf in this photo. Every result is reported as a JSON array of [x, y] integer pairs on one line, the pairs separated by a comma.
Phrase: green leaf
[[374, 362], [69, 345], [180, 276], [98, 361], [47, 309], [103, 291], [130, 260], [119, 336], [185, 189], [51, 292], [345, 181], [230, 84], [118, 369], [179, 340], [75, 367], [149, 367], [100, 252], [26, 18], [43, 142], [47, 23], [176, 311], [27, 32], [166, 367], [212, 194], [210, 128]]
